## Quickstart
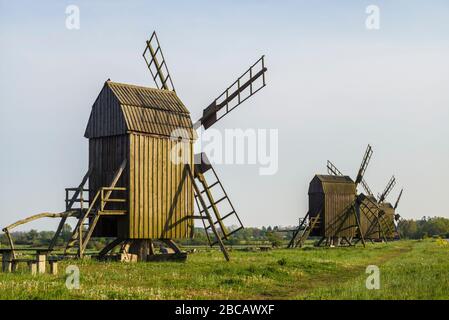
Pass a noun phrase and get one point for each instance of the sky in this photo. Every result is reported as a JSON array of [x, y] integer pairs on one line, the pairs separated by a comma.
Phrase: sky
[[333, 86]]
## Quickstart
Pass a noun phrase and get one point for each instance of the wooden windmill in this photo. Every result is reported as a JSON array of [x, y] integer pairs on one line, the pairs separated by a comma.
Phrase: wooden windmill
[[334, 207], [387, 210], [143, 177], [370, 225]]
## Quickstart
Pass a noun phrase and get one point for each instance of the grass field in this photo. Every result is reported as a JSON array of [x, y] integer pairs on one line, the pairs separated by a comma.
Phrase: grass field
[[409, 270]]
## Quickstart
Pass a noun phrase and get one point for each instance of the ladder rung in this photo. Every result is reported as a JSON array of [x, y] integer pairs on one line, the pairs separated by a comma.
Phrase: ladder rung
[[229, 214], [228, 235], [112, 213], [211, 186], [215, 203], [115, 200], [220, 220]]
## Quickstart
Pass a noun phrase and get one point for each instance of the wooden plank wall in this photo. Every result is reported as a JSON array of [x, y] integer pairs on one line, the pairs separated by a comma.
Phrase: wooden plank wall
[[316, 200], [333, 197], [106, 155], [154, 182], [335, 205], [387, 220], [106, 118], [368, 218]]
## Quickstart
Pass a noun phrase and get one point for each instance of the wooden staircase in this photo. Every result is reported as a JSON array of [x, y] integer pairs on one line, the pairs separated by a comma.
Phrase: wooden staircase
[[89, 217], [304, 230]]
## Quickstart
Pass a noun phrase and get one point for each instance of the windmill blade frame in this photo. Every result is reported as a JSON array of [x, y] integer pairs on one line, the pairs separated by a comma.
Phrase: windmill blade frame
[[333, 170], [235, 91], [390, 185], [365, 161], [157, 65], [399, 198], [366, 187]]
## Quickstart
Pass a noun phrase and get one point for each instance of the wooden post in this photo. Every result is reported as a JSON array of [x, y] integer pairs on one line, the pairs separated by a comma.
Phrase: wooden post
[[357, 214], [41, 260], [140, 248], [54, 267], [32, 265], [7, 262]]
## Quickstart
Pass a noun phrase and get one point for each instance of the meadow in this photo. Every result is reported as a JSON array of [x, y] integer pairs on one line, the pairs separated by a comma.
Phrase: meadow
[[409, 269]]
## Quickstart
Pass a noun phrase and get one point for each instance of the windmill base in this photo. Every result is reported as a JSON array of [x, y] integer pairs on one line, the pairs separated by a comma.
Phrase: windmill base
[[142, 251], [334, 242]]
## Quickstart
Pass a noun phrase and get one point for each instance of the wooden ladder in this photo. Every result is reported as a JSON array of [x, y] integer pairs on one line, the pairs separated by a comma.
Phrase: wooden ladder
[[89, 218], [77, 197], [314, 222], [218, 222]]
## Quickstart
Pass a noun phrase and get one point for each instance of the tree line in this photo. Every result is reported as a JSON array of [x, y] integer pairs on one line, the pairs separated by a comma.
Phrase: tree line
[[424, 227], [273, 235]]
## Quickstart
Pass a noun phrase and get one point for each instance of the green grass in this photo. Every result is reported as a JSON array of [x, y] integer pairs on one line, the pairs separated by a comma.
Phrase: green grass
[[409, 270]]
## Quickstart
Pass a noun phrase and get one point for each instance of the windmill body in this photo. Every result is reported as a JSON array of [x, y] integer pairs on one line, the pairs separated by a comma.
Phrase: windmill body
[[136, 123], [329, 197]]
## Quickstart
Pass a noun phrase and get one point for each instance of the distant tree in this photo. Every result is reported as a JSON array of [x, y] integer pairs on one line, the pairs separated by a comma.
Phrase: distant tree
[[66, 232], [274, 239], [408, 229], [32, 235]]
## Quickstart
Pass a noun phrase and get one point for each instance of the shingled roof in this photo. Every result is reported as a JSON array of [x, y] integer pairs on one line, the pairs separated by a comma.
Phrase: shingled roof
[[122, 108], [332, 184]]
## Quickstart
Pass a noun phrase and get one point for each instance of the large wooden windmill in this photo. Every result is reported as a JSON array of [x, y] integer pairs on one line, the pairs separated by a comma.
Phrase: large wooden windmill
[[143, 177], [334, 207]]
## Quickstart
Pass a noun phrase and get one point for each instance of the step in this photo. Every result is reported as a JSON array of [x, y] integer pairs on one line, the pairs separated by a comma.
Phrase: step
[[112, 213]]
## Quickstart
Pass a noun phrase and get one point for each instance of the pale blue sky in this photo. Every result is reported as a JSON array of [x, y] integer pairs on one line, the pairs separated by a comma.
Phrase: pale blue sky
[[333, 87]]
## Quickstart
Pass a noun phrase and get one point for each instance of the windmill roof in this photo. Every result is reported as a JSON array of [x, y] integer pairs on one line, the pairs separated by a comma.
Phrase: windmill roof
[[333, 179], [122, 108], [138, 96], [332, 184]]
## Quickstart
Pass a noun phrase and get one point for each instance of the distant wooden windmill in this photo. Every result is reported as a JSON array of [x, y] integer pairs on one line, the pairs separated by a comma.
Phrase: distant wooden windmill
[[334, 207], [138, 194], [387, 214]]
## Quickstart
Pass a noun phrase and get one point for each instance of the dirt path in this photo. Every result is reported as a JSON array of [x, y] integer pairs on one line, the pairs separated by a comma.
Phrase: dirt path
[[309, 283]]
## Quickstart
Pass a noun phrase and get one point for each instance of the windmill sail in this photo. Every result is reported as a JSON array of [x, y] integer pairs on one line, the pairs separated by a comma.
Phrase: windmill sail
[[332, 169], [364, 165], [366, 187], [388, 189], [399, 198], [154, 58], [238, 92]]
